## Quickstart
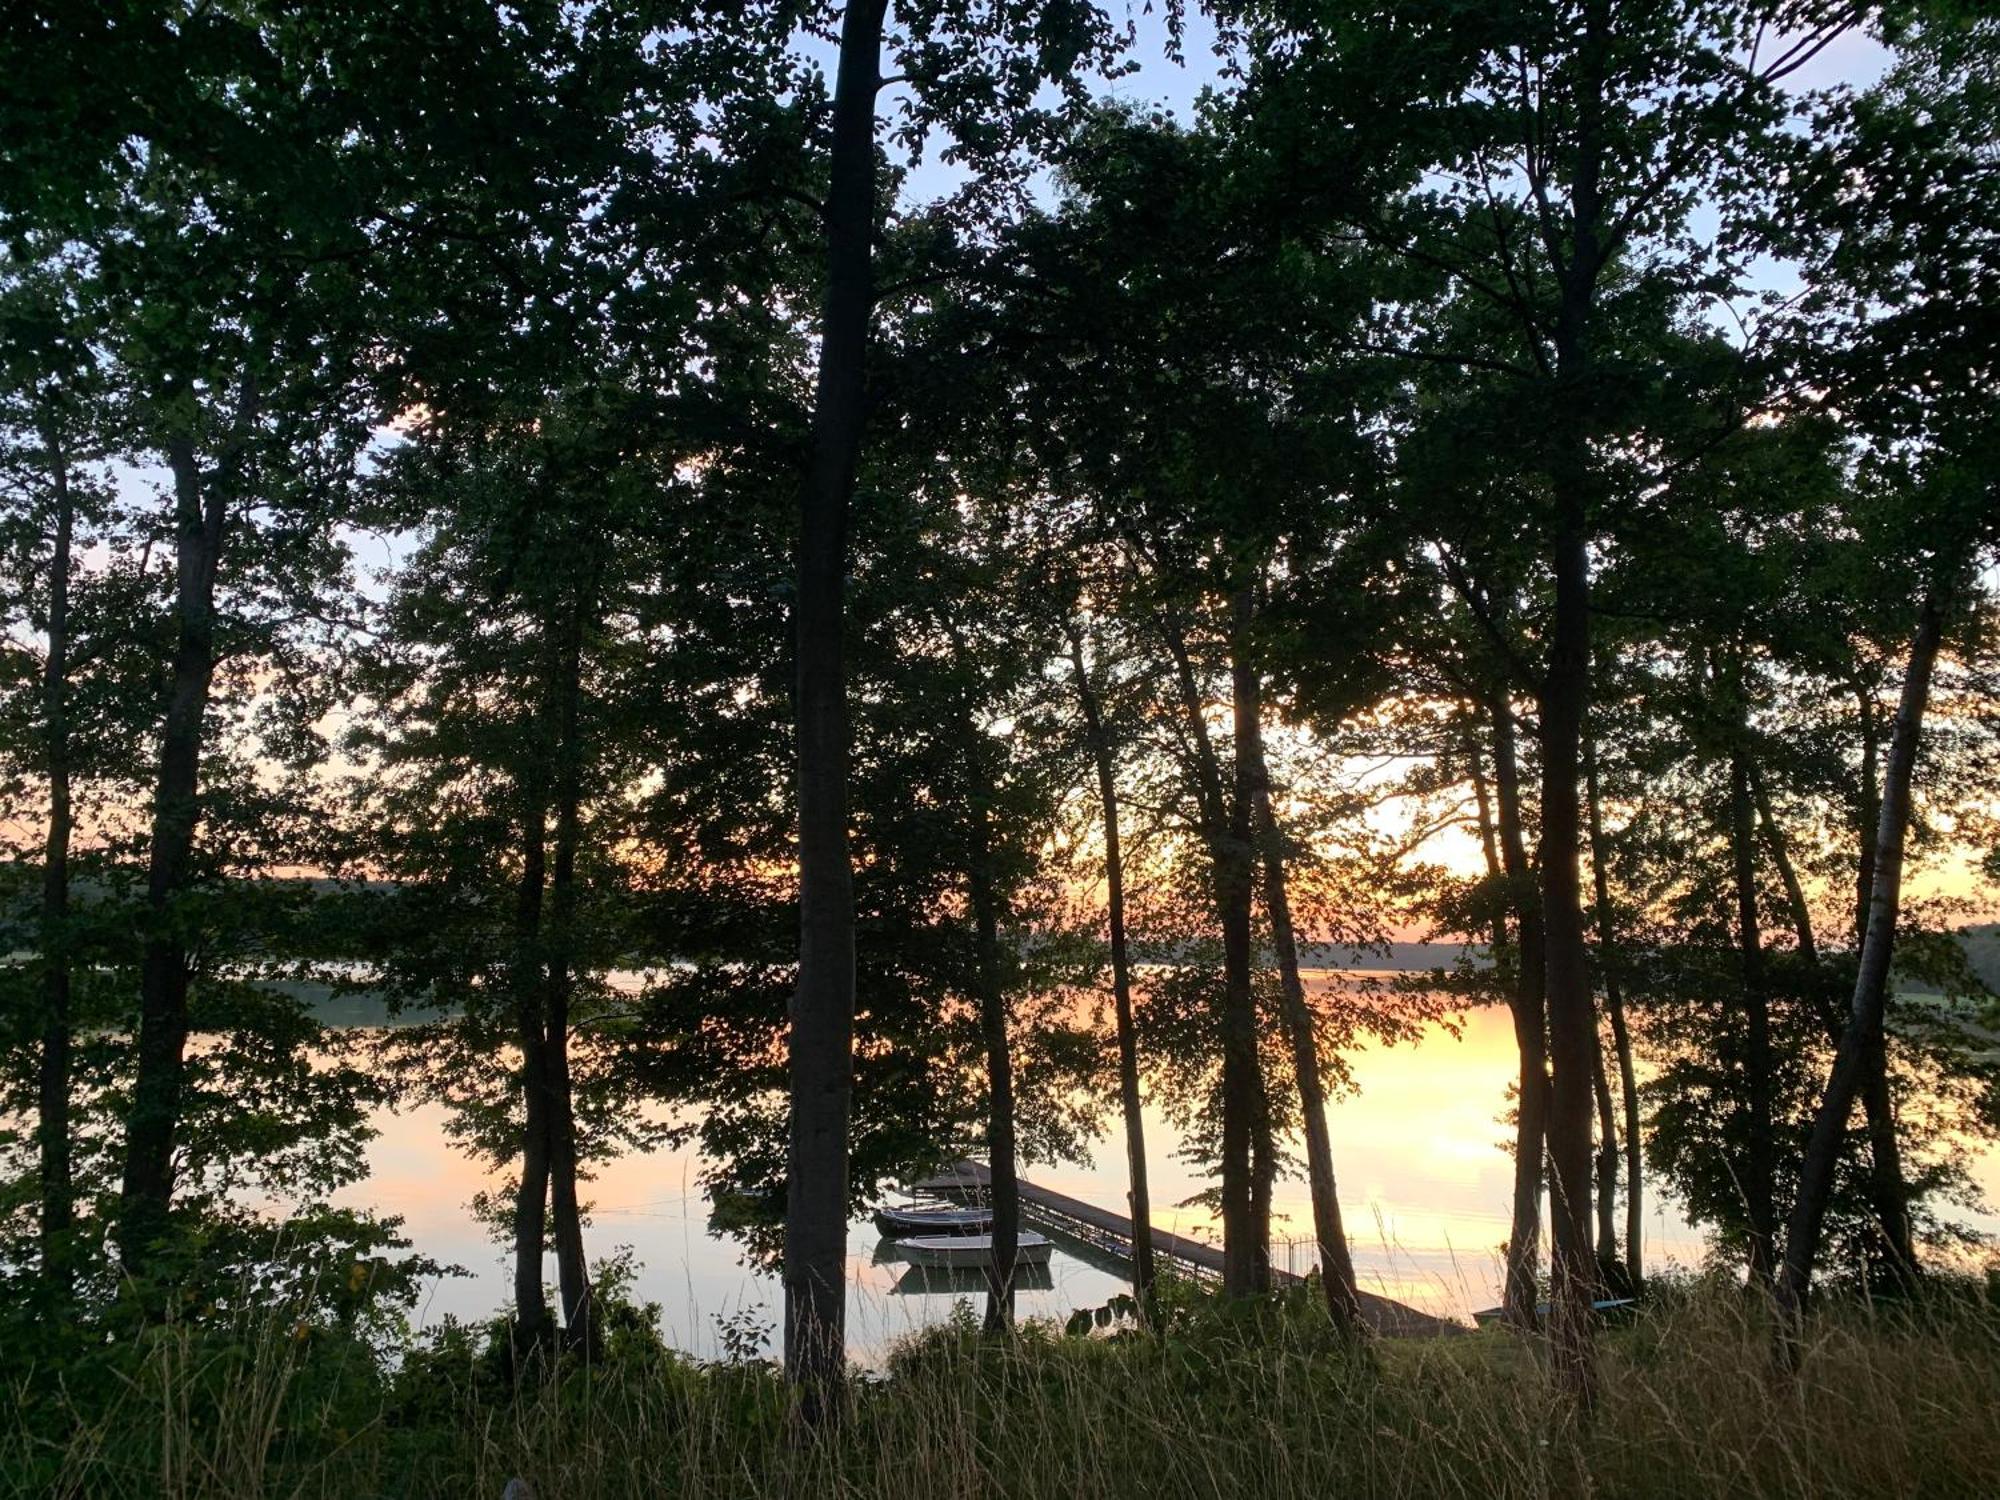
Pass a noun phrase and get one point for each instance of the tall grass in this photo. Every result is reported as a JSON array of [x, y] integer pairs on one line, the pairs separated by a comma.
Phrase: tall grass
[[1891, 1401]]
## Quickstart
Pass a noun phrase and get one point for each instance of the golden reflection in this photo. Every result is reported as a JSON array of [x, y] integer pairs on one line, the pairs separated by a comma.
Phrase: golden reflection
[[1418, 1145]]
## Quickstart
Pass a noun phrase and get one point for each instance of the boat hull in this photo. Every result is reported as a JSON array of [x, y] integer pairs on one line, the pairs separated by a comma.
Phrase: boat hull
[[974, 1250], [902, 1222]]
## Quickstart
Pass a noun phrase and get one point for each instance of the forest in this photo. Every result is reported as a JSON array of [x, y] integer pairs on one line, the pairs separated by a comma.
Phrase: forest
[[802, 594]]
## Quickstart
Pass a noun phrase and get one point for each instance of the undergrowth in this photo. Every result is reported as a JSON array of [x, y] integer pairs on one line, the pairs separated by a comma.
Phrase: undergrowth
[[1897, 1399]]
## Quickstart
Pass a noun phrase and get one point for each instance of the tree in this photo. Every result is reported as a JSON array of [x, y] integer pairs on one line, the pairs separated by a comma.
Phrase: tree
[[1574, 140], [1621, 1033], [495, 777], [1097, 736], [1919, 376], [1336, 1263], [822, 1036], [56, 421], [973, 72]]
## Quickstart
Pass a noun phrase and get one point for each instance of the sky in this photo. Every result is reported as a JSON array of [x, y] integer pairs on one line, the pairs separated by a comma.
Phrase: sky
[[1856, 59]]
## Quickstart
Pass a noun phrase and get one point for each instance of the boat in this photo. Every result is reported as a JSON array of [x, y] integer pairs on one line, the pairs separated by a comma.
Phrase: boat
[[972, 1249], [966, 1281], [1603, 1307], [899, 1221]]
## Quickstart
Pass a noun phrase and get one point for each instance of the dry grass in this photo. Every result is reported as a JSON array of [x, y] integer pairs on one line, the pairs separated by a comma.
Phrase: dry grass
[[1888, 1403]]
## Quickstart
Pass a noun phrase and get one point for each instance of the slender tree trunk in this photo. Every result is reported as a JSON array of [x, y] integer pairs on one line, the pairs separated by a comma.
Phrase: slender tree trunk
[[1885, 1174], [579, 1302], [1530, 1034], [1886, 1184], [572, 1266], [1606, 1175], [1337, 1279], [1781, 859], [1572, 1011], [1759, 1194], [1621, 1033], [1886, 1188], [534, 1328], [1245, 1179], [822, 1031], [146, 1189], [1121, 987], [1263, 1180], [1869, 813], [1865, 1017], [1227, 832], [1885, 1164], [58, 1214], [1005, 1182], [1490, 847]]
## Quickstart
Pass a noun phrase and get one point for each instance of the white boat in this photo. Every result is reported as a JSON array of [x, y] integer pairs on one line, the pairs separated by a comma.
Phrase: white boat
[[899, 1221], [972, 1249]]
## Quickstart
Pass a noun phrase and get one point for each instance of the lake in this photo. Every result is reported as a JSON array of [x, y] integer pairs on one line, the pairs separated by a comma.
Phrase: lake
[[1424, 1183]]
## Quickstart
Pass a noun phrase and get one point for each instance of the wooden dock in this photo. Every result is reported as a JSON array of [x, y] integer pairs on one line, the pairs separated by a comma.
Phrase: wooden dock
[[1101, 1237]]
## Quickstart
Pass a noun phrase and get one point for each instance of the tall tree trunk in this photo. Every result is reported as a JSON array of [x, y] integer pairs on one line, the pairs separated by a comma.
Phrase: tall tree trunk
[[58, 1213], [579, 1301], [1490, 846], [534, 1328], [1759, 1193], [1606, 1175], [1781, 859], [1225, 826], [1572, 1010], [1263, 1181], [1121, 986], [1864, 1027], [1886, 1185], [572, 1266], [1885, 1174], [1005, 1182], [1565, 695], [1621, 1032], [1868, 813], [822, 1030], [1248, 1160], [1530, 1032], [200, 515], [1343, 1299]]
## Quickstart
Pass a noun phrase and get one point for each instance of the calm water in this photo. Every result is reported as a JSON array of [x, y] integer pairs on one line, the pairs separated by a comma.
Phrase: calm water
[[1425, 1187]]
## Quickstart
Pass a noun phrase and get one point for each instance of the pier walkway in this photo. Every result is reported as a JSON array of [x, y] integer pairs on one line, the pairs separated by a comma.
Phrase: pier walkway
[[1101, 1237]]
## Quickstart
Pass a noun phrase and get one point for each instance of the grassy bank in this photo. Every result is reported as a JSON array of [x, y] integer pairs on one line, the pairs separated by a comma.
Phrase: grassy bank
[[1891, 1402]]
